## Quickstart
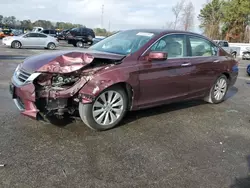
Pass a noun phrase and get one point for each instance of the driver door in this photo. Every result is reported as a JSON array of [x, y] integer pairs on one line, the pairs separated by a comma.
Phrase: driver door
[[166, 80], [29, 40]]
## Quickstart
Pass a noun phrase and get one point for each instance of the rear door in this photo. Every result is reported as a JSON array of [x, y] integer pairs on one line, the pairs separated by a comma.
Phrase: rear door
[[205, 59], [165, 81], [41, 40]]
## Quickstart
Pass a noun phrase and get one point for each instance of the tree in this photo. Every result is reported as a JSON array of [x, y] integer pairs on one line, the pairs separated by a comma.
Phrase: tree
[[236, 16], [44, 24], [1, 18], [9, 21], [210, 17], [188, 16], [170, 25], [26, 24], [177, 9]]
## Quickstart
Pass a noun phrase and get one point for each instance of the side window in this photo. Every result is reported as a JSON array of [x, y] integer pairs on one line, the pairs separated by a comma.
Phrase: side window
[[52, 32], [41, 35], [46, 31], [202, 47], [32, 35], [174, 45]]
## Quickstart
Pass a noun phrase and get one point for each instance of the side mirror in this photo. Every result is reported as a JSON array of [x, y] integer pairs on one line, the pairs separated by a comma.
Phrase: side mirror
[[158, 56]]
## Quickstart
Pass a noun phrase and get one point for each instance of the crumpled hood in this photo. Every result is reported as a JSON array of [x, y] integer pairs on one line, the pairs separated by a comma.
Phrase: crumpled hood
[[64, 61]]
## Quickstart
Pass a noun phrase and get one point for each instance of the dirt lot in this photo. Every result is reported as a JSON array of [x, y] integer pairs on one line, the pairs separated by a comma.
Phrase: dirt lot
[[192, 144]]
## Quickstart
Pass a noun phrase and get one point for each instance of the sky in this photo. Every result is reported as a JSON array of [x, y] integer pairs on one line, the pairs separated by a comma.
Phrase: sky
[[121, 14]]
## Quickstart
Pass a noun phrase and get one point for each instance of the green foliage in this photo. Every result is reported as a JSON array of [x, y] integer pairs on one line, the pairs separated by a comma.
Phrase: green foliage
[[210, 17], [232, 16], [28, 25]]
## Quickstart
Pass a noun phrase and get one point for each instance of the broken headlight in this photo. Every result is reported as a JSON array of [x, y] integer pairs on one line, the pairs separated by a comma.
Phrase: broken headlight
[[64, 80]]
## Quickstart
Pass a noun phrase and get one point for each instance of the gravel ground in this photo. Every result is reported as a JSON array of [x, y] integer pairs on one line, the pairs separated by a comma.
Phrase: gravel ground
[[191, 144]]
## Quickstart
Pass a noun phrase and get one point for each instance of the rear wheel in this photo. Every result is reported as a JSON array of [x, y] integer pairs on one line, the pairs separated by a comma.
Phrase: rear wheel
[[106, 111], [51, 46], [80, 44], [218, 91], [16, 44]]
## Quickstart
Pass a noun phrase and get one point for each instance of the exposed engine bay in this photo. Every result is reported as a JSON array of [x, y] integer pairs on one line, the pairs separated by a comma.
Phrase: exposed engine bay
[[58, 93]]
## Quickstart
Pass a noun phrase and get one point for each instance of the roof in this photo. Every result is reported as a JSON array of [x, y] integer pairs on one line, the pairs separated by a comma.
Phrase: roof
[[161, 31]]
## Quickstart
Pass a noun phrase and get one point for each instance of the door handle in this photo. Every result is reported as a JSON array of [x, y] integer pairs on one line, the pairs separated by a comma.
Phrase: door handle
[[185, 64], [216, 61]]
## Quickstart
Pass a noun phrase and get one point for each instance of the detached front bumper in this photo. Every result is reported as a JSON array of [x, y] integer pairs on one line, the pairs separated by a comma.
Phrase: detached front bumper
[[31, 101], [24, 97]]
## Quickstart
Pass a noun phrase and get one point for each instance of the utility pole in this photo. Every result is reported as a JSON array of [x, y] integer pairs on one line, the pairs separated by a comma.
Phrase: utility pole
[[102, 16], [109, 26]]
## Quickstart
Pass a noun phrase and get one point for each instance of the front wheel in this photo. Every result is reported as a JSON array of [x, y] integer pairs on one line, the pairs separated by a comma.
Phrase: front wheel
[[16, 44], [106, 111], [218, 91]]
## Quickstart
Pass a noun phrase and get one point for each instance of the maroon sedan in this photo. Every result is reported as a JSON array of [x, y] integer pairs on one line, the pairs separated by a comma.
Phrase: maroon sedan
[[131, 70]]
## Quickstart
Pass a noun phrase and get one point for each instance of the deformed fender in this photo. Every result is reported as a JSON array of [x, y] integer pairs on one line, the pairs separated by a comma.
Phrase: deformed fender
[[100, 82]]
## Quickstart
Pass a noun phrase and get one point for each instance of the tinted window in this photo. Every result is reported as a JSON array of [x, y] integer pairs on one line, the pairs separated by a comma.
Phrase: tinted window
[[75, 30], [46, 31], [202, 47], [52, 32], [41, 35], [174, 45], [32, 35]]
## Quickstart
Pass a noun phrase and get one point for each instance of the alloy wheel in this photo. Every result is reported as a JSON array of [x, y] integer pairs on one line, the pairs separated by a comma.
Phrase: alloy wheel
[[17, 45], [52, 46], [108, 107], [220, 89]]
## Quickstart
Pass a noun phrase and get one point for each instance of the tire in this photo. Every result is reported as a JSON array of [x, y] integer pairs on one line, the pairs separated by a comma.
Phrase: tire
[[80, 44], [51, 46], [113, 118], [234, 55], [222, 84], [16, 44], [74, 45]]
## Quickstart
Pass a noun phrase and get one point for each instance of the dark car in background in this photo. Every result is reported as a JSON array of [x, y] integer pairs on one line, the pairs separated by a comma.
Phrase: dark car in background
[[80, 36], [6, 33], [130, 70], [51, 32], [62, 35]]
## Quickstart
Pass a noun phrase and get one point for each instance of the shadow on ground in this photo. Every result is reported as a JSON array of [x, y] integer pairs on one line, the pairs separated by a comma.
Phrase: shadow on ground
[[243, 182], [232, 92], [135, 115]]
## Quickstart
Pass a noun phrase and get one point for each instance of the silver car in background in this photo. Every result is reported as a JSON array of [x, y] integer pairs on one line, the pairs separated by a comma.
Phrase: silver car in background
[[31, 40]]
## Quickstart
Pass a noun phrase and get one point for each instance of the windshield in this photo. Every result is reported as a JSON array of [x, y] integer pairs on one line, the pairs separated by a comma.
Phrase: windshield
[[124, 43]]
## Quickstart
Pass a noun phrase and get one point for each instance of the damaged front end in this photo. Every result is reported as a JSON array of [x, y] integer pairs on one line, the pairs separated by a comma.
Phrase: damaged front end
[[54, 88], [58, 93]]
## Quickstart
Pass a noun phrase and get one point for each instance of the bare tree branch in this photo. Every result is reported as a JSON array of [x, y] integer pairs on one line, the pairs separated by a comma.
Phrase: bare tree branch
[[188, 16], [177, 9]]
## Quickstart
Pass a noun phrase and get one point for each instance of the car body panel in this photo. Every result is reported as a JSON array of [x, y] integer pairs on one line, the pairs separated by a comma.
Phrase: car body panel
[[148, 83]]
